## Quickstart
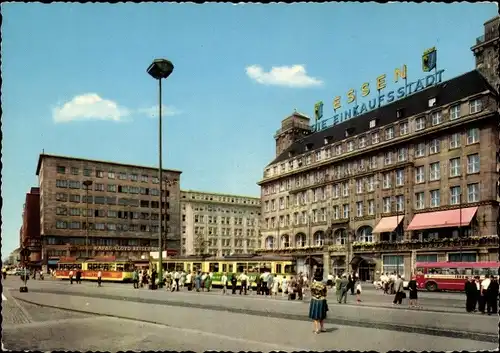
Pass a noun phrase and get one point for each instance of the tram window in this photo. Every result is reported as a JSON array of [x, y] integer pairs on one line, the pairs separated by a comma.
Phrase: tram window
[[224, 267], [240, 267], [253, 267], [120, 267], [197, 266], [213, 267], [128, 267], [278, 268], [290, 269], [179, 266], [230, 268], [188, 267]]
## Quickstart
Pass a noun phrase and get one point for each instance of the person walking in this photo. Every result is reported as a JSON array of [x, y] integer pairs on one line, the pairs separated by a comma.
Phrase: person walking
[[208, 282], [135, 279], [470, 294], [358, 292], [412, 287], [338, 282], [483, 294], [492, 296], [318, 306], [224, 283], [275, 288], [399, 291], [99, 278], [243, 280], [344, 285], [258, 283], [233, 283], [78, 276], [71, 273], [284, 287]]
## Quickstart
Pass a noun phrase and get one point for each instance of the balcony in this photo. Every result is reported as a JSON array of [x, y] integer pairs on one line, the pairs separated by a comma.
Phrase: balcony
[[482, 241], [486, 37], [303, 250]]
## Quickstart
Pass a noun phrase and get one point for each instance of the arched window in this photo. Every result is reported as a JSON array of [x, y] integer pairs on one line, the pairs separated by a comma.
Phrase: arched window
[[365, 234], [300, 240], [269, 242], [285, 241], [340, 236], [319, 238]]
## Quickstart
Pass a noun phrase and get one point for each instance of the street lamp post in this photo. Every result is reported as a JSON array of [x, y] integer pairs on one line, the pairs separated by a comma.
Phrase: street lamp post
[[87, 184], [460, 223], [160, 69]]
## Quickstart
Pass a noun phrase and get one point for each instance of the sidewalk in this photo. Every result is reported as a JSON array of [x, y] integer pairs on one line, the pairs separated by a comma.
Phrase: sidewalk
[[339, 313]]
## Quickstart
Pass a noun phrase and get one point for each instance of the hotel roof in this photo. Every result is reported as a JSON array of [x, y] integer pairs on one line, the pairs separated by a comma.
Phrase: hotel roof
[[45, 155], [445, 93]]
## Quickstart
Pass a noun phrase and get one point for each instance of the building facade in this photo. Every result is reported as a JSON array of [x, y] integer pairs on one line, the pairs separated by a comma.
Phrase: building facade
[[105, 208], [412, 181], [30, 230], [219, 224]]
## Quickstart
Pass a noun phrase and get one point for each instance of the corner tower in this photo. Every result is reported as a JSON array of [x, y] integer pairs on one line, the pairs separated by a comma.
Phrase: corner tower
[[293, 128], [486, 52]]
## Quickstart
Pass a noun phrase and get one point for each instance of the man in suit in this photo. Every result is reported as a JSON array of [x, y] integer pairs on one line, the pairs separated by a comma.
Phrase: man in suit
[[398, 288], [344, 285], [492, 296], [470, 295]]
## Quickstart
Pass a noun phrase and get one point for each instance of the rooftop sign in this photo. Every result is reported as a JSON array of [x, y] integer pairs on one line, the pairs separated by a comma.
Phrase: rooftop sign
[[347, 107]]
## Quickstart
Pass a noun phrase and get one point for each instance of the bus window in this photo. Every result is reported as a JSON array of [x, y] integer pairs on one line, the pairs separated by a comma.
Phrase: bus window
[[213, 267], [290, 269], [468, 271], [435, 271], [476, 271], [453, 271], [420, 270], [278, 268]]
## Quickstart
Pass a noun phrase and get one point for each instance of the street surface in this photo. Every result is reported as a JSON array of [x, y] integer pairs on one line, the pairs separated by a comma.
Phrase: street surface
[[117, 317]]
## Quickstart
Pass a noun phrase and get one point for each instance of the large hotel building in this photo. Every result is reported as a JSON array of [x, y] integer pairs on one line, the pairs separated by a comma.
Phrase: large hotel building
[[119, 203], [412, 181], [219, 224]]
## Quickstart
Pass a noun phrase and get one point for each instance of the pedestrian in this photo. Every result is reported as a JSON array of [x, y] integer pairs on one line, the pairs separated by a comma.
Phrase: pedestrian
[[291, 289], [318, 306], [198, 281], [233, 283], [99, 278], [284, 287], [71, 276], [243, 280], [78, 276], [358, 292], [492, 296], [275, 286], [177, 278], [470, 294], [224, 283], [338, 282], [300, 286], [330, 280], [344, 284], [135, 279], [208, 282], [483, 294], [413, 297], [399, 291], [258, 283]]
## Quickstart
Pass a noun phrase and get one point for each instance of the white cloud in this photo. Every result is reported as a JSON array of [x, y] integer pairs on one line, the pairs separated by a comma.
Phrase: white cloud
[[290, 76], [89, 106], [153, 111]]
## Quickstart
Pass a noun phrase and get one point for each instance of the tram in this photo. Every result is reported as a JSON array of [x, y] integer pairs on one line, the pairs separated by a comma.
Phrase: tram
[[112, 269], [233, 265]]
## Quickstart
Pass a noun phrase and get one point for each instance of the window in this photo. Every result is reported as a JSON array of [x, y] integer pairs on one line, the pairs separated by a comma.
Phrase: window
[[61, 170], [338, 150], [434, 171], [373, 123], [454, 167], [122, 176], [455, 140], [359, 186], [431, 102], [359, 209], [402, 154], [419, 123], [345, 211], [435, 198], [87, 172], [74, 225], [362, 142], [371, 207], [420, 150], [434, 146], [345, 189], [473, 192], [386, 180], [98, 187], [61, 183], [475, 106], [133, 177], [75, 171], [375, 138], [373, 162], [464, 257], [388, 158], [472, 136], [427, 258], [318, 158], [111, 187], [473, 163], [371, 183], [74, 198], [455, 195], [436, 118], [400, 177], [336, 213], [400, 203], [61, 211], [389, 133], [419, 200], [61, 197], [111, 175], [419, 174], [99, 174], [61, 225], [403, 128], [350, 146], [74, 212], [386, 202], [73, 184], [455, 112]]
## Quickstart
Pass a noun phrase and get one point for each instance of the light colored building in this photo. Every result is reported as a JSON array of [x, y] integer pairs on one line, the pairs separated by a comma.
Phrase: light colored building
[[219, 224], [411, 181], [122, 208]]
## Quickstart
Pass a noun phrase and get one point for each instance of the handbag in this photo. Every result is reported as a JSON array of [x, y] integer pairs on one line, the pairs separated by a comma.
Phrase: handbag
[[403, 295]]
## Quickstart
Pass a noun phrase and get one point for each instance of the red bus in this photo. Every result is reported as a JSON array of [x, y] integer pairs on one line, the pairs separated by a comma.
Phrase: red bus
[[450, 276]]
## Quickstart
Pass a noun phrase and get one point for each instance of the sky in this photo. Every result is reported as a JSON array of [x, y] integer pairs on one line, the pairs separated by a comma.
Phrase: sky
[[75, 81]]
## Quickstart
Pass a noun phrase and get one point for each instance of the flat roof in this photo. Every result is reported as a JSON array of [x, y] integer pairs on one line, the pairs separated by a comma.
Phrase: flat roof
[[220, 194], [44, 155]]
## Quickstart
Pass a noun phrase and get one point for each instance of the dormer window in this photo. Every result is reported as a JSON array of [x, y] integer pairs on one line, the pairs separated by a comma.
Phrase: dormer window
[[290, 154], [373, 123], [309, 146], [349, 132], [327, 140], [400, 113], [432, 102]]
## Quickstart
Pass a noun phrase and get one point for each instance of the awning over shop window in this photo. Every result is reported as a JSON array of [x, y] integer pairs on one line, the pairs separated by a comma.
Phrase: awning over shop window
[[356, 260], [443, 219], [388, 224]]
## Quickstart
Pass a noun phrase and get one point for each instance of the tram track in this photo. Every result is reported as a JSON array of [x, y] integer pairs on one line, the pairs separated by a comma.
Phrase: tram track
[[418, 329]]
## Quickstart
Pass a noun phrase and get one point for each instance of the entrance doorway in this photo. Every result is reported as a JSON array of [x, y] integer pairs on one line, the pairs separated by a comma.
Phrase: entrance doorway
[[366, 270]]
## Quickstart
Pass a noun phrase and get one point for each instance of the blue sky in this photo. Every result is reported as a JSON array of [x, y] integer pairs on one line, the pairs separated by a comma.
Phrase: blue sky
[[74, 80]]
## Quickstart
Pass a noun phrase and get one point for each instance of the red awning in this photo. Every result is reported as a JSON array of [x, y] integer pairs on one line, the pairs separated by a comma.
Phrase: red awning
[[443, 219]]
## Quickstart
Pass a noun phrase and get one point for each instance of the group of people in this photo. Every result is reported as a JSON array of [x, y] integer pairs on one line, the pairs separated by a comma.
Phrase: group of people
[[482, 294], [76, 275]]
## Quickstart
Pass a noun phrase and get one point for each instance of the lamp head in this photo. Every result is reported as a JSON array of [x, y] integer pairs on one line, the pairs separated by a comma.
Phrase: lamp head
[[160, 68]]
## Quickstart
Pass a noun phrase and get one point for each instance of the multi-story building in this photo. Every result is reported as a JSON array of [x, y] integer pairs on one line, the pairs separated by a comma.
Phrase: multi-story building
[[30, 230], [219, 224], [107, 208], [414, 180]]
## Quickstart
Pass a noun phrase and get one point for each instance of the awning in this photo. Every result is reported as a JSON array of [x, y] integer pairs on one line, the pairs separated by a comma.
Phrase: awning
[[388, 224], [443, 219], [356, 260]]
